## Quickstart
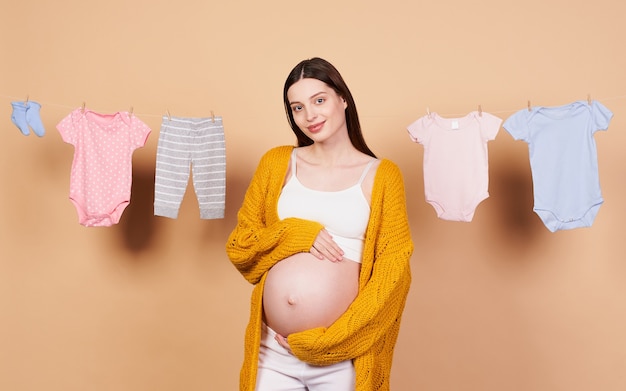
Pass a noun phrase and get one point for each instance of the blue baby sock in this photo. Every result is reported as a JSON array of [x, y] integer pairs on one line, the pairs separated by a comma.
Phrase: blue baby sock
[[19, 117], [33, 118]]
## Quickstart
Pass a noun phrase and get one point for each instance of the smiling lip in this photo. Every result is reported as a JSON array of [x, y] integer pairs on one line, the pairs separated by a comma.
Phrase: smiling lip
[[315, 128]]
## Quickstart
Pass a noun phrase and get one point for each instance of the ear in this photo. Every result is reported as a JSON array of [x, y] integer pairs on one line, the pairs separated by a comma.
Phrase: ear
[[345, 104]]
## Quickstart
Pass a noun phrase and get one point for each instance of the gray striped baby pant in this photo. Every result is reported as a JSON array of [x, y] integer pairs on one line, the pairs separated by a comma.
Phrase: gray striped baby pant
[[195, 145]]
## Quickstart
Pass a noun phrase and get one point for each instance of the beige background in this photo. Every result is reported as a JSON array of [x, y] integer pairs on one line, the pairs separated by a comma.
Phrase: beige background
[[154, 304]]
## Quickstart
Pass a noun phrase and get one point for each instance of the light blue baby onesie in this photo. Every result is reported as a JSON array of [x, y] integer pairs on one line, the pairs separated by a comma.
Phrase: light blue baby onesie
[[563, 160]]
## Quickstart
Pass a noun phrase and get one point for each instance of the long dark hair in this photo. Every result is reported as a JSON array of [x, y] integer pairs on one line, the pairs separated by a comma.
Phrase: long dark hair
[[320, 69]]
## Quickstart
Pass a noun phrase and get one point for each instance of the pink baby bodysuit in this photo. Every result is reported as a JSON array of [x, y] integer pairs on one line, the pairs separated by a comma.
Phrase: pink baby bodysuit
[[455, 161], [101, 176]]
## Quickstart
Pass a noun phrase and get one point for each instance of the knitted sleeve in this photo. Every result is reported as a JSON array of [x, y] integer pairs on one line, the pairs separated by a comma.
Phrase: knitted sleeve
[[379, 305], [260, 239]]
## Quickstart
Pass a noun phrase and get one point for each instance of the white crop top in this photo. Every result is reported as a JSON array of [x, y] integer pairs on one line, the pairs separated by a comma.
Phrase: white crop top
[[344, 213]]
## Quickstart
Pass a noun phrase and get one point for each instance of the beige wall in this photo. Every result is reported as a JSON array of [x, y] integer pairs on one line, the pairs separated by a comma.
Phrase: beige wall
[[154, 304]]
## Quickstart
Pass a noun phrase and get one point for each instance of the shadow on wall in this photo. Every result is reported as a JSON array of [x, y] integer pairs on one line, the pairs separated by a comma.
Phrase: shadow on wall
[[138, 225], [516, 224], [236, 186]]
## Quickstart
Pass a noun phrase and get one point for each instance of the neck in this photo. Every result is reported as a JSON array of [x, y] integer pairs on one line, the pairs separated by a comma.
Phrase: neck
[[331, 154]]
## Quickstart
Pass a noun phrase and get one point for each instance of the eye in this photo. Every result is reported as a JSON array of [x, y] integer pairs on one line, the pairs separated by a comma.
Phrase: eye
[[320, 100], [296, 108]]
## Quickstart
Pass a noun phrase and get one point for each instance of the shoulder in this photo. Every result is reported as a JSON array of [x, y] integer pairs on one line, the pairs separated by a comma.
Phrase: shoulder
[[387, 167], [388, 176], [273, 161], [276, 156], [278, 153]]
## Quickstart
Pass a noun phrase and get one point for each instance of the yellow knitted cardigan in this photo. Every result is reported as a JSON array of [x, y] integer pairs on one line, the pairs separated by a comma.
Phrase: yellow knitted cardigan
[[366, 333]]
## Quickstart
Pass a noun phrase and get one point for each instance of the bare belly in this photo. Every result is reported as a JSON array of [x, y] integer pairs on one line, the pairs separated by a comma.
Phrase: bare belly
[[302, 292]]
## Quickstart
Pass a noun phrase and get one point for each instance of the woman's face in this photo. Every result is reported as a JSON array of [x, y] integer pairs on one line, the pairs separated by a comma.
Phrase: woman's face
[[317, 109]]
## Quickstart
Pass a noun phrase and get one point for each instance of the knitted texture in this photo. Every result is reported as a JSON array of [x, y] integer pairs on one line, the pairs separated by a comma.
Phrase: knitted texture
[[367, 332]]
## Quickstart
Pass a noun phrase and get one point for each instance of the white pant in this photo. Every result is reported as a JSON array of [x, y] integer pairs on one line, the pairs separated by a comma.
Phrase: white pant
[[280, 370]]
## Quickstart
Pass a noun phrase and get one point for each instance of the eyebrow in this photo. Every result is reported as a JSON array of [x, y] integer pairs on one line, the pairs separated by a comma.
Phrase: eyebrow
[[311, 97]]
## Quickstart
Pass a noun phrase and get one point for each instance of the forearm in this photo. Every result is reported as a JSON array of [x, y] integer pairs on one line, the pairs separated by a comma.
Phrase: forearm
[[371, 316], [254, 250]]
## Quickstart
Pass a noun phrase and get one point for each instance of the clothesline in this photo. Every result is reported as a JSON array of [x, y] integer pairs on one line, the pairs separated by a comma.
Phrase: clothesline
[[43, 103], [599, 99], [519, 108]]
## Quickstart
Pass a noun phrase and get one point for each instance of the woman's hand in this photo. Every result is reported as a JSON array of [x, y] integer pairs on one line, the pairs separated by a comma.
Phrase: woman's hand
[[324, 247], [282, 341]]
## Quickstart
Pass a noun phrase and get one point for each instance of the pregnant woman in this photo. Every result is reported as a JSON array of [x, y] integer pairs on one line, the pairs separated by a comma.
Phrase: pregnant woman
[[323, 234]]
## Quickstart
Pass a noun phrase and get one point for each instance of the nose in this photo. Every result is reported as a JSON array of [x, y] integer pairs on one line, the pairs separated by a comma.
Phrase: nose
[[311, 114]]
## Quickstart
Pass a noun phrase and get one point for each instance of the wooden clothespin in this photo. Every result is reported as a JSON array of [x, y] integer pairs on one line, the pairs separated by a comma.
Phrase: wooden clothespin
[[480, 111], [26, 101], [529, 109], [83, 108], [589, 99], [212, 116], [130, 112], [428, 111], [169, 117]]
